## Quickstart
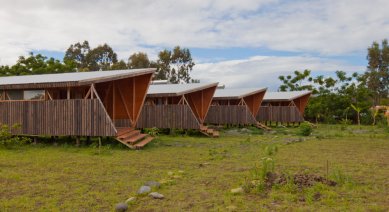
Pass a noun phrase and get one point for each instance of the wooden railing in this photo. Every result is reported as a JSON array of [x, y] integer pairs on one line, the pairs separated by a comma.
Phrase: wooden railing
[[73, 117], [167, 116], [230, 114], [285, 114]]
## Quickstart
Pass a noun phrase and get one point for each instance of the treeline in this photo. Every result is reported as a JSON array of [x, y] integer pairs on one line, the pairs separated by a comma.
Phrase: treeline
[[346, 97], [173, 65]]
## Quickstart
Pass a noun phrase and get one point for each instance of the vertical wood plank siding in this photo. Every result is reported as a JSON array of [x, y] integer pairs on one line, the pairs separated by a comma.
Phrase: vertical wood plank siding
[[75, 117], [167, 116], [230, 114], [286, 114]]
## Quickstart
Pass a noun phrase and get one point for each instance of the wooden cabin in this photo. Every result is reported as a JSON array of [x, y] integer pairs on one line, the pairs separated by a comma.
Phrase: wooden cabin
[[283, 107], [76, 104], [177, 106], [235, 106]]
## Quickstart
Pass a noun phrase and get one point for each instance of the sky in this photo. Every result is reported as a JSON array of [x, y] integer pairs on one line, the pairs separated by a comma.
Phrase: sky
[[245, 43]]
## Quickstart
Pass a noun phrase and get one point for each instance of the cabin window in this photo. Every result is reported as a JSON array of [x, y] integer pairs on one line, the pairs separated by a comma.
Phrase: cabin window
[[34, 95], [15, 94]]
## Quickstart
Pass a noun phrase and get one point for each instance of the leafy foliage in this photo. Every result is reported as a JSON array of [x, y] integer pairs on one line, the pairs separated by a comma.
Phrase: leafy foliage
[[305, 129], [7, 139], [175, 66]]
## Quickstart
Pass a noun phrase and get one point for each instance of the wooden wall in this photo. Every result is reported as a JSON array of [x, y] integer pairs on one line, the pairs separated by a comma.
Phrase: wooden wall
[[73, 117], [167, 116], [124, 98], [230, 114], [285, 114]]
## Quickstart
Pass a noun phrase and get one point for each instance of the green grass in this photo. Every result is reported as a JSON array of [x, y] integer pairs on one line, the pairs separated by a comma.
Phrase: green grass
[[204, 170]]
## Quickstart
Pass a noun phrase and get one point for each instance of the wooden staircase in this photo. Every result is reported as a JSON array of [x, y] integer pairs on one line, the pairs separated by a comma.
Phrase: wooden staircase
[[209, 132], [262, 126], [133, 138]]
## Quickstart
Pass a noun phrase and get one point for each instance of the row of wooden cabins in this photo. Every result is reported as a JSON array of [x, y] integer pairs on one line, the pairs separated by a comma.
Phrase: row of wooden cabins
[[117, 103]]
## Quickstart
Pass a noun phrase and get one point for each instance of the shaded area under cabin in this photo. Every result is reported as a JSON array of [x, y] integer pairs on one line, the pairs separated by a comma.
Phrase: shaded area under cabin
[[283, 107], [176, 106], [235, 106], [73, 104]]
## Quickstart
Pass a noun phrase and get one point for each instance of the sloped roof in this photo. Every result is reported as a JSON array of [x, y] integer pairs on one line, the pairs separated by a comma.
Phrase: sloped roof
[[71, 79], [236, 93], [284, 96], [164, 90]]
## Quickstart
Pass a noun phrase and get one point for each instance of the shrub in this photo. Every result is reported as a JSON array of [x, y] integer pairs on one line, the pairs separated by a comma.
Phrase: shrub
[[305, 129], [7, 139]]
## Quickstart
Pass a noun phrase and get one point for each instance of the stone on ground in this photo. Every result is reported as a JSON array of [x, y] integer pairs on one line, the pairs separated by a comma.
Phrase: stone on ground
[[144, 190], [121, 207], [156, 195], [131, 199], [237, 190]]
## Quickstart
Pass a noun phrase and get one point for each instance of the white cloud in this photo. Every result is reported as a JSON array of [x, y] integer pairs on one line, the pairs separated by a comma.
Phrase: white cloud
[[264, 71]]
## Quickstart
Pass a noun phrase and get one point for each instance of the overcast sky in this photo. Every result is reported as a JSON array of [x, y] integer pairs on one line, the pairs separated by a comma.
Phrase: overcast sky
[[242, 43]]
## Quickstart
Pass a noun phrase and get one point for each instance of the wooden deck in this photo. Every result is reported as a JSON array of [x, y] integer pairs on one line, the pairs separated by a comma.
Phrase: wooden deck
[[70, 117], [283, 114]]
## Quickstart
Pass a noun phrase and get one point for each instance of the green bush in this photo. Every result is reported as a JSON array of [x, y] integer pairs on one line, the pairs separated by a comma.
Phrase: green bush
[[8, 140], [305, 129]]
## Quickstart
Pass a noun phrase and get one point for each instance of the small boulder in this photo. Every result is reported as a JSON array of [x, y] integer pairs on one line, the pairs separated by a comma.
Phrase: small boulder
[[156, 195], [121, 207], [237, 190], [131, 199], [144, 190], [153, 184]]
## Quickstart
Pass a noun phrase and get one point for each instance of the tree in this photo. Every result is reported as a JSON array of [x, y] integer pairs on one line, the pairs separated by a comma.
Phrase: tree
[[36, 64], [296, 83], [121, 65], [175, 66], [76, 55], [139, 60], [101, 58], [358, 110], [377, 73]]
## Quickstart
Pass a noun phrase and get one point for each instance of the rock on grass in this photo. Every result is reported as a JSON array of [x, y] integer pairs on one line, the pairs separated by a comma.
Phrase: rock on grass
[[121, 207], [156, 195], [144, 190]]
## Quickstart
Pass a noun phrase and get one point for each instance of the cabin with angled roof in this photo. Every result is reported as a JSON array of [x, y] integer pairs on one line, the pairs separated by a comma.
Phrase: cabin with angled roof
[[176, 106], [235, 106], [283, 107], [76, 104]]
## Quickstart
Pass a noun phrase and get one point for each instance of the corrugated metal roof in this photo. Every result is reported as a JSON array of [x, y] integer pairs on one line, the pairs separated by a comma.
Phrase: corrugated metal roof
[[236, 93], [67, 77], [284, 96], [177, 89]]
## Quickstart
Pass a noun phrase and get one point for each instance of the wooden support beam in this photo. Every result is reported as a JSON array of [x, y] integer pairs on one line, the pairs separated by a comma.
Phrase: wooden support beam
[[68, 93]]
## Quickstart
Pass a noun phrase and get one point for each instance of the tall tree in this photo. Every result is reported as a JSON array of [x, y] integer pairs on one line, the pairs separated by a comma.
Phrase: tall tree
[[101, 58], [36, 64], [121, 65], [139, 60], [377, 73], [77, 54], [175, 66]]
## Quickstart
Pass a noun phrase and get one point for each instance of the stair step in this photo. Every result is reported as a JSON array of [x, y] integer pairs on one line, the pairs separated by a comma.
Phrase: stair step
[[129, 134], [142, 143], [135, 138], [209, 131], [215, 134], [203, 128], [122, 131]]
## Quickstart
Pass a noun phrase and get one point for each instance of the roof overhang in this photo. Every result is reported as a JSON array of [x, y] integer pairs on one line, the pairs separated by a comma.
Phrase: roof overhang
[[239, 96], [182, 92]]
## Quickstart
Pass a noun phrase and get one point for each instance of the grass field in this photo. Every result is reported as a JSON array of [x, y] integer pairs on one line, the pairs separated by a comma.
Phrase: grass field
[[198, 173]]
